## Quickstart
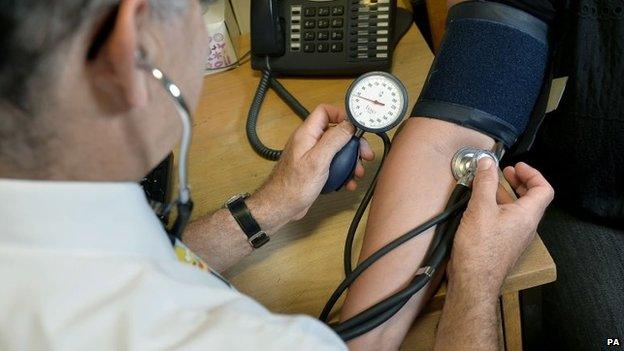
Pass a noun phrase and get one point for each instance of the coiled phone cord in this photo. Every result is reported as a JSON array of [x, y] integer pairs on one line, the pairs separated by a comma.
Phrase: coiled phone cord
[[267, 80], [447, 223]]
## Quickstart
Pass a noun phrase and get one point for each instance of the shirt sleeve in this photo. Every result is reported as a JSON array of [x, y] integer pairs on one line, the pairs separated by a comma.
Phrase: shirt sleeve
[[202, 313]]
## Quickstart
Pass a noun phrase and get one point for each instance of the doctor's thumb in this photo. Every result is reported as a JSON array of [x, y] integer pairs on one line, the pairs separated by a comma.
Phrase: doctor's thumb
[[485, 183], [334, 139]]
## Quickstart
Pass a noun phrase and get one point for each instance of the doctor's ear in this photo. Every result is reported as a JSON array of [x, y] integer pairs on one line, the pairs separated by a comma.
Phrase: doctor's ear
[[119, 43]]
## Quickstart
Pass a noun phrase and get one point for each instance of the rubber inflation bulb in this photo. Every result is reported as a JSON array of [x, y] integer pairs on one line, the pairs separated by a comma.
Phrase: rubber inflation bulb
[[342, 166]]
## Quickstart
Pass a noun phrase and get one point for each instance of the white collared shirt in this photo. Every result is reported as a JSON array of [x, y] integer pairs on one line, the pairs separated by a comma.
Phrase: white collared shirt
[[88, 266]]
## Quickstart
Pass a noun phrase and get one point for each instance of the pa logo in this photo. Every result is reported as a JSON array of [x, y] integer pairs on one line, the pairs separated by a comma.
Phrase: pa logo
[[613, 342]]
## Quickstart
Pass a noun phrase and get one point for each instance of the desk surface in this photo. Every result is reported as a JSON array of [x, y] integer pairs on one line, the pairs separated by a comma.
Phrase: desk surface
[[302, 264]]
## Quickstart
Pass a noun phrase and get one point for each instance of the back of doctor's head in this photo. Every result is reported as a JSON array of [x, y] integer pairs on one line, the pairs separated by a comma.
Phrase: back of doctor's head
[[65, 64]]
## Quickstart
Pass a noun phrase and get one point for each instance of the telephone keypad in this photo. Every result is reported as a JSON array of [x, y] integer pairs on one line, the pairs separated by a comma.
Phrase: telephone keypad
[[362, 25], [323, 26]]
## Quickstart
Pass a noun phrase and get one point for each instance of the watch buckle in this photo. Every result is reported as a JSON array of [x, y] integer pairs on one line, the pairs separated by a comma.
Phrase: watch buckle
[[236, 197], [256, 236]]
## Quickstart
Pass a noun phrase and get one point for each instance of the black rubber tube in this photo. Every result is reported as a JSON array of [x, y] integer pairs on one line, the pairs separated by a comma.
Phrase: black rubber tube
[[377, 314], [355, 222], [383, 251], [446, 231]]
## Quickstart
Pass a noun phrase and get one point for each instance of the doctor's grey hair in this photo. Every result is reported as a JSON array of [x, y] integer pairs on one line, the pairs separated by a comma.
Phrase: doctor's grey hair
[[32, 32]]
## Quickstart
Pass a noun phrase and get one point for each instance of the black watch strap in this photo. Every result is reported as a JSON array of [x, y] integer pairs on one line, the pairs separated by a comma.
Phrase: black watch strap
[[239, 210]]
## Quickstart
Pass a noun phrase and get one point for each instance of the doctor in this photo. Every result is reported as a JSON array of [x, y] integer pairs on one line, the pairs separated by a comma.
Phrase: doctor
[[85, 264]]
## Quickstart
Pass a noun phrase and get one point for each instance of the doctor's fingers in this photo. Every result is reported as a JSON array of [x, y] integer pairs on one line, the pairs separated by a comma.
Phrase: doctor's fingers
[[366, 152], [484, 186], [319, 120]]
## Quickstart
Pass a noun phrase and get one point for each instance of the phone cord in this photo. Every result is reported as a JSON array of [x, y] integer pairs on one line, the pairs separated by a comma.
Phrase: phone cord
[[267, 80]]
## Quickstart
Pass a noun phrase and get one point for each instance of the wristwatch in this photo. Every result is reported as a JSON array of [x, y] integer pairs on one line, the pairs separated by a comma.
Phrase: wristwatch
[[255, 236]]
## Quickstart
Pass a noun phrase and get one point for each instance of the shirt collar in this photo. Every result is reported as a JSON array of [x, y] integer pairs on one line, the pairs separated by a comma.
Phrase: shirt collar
[[82, 217]]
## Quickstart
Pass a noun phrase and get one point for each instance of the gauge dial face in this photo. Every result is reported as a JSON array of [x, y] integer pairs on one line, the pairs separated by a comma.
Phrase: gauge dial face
[[376, 102]]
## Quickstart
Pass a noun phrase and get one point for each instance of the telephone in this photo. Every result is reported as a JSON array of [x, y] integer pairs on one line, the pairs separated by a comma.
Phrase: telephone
[[323, 37]]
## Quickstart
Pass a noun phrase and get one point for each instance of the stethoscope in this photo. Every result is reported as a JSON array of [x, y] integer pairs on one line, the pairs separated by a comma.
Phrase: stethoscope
[[183, 202], [376, 102]]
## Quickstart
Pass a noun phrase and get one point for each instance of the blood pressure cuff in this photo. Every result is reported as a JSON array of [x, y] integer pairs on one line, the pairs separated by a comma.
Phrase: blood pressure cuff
[[489, 70]]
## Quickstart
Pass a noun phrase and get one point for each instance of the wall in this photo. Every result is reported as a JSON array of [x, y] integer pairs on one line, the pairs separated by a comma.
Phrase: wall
[[241, 9]]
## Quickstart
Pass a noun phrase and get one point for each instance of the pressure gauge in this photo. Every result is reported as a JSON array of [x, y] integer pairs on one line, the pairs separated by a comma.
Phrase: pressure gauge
[[376, 102]]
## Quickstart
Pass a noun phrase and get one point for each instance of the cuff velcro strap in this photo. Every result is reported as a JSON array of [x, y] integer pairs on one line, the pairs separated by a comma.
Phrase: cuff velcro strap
[[489, 70]]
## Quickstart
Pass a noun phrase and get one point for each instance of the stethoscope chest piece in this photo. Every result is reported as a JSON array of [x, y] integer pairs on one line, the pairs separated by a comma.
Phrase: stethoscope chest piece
[[464, 162]]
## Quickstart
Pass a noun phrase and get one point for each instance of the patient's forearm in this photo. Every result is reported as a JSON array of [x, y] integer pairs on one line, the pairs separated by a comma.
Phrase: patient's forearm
[[414, 186]]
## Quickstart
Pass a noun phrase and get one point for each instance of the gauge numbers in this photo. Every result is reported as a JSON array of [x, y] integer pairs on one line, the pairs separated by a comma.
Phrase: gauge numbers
[[376, 102]]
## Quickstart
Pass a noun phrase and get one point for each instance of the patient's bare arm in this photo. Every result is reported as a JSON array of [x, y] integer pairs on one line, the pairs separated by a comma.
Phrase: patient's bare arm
[[414, 186]]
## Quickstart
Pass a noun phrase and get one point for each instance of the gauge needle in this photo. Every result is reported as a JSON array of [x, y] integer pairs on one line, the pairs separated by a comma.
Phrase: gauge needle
[[373, 101]]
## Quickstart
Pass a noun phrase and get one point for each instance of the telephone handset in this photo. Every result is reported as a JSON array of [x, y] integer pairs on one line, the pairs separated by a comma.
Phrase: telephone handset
[[322, 37]]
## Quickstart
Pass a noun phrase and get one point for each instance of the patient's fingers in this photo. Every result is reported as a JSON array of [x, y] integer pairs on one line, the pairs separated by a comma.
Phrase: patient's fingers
[[539, 193], [514, 181]]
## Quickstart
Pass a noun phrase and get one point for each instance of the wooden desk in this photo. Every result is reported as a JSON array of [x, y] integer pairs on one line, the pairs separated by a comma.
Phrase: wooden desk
[[298, 269]]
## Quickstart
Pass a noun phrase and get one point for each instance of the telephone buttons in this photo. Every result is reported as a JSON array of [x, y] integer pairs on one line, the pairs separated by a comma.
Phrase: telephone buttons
[[337, 23], [322, 47], [336, 35], [323, 35], [336, 47], [337, 11], [323, 28], [308, 47], [309, 23]]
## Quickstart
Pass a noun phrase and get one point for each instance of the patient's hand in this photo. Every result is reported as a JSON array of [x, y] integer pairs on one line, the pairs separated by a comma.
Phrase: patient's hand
[[303, 168], [495, 230]]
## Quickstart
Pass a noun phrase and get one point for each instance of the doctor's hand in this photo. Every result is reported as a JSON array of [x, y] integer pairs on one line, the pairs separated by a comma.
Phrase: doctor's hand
[[303, 168], [495, 228]]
